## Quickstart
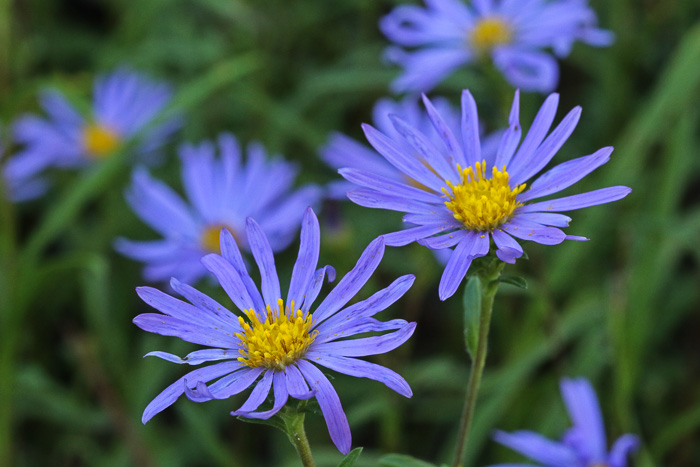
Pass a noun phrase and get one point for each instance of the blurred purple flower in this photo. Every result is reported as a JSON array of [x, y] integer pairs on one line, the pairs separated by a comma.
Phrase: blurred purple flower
[[125, 104], [583, 445], [471, 197], [222, 192], [274, 342], [447, 34]]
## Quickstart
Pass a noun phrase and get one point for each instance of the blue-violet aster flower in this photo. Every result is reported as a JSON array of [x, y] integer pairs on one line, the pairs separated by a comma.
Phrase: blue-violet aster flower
[[583, 445], [276, 343], [447, 34], [472, 197], [222, 192], [125, 104]]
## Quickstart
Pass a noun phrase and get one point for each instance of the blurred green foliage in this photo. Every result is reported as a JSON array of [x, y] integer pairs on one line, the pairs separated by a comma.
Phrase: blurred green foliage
[[621, 310]]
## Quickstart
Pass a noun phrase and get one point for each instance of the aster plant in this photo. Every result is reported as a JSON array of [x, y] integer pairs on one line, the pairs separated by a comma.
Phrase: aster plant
[[515, 35], [125, 106], [275, 343], [221, 192], [583, 445], [471, 198]]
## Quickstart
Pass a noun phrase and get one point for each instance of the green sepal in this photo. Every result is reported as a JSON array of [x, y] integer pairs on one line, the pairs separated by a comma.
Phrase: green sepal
[[350, 459], [275, 421], [403, 460], [513, 280], [471, 302]]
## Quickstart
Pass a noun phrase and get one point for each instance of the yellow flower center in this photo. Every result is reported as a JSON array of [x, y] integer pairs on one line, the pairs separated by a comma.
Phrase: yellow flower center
[[209, 240], [100, 141], [481, 203], [489, 33], [278, 341]]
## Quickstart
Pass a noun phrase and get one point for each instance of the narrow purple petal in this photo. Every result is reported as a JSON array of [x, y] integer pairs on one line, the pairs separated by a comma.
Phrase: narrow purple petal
[[315, 286], [508, 248], [545, 218], [533, 162], [447, 240], [186, 330], [279, 387], [566, 174], [406, 236], [537, 132], [373, 199], [511, 137], [473, 245], [214, 310], [196, 357], [353, 280], [579, 201], [406, 163], [386, 185], [327, 398], [231, 253], [368, 345], [454, 149], [623, 447], [257, 395], [262, 253], [296, 384], [230, 280], [235, 383], [534, 232], [538, 448], [582, 404], [363, 369], [305, 265], [470, 129], [170, 394]]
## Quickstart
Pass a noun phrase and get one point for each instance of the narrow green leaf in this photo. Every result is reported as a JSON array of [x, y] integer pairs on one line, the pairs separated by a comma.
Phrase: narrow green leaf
[[513, 280], [402, 460], [471, 301], [351, 458]]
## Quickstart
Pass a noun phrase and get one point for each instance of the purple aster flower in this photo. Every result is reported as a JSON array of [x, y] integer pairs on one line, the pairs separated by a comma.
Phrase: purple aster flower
[[222, 192], [125, 104], [447, 34], [274, 343], [473, 197], [583, 445]]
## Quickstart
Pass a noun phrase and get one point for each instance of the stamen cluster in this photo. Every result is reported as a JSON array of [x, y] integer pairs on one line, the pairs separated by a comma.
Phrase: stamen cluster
[[278, 341], [100, 141], [489, 33], [481, 203]]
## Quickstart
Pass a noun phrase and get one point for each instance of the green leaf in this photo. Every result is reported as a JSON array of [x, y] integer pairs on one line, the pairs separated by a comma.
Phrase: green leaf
[[402, 460], [513, 280], [351, 458], [471, 301]]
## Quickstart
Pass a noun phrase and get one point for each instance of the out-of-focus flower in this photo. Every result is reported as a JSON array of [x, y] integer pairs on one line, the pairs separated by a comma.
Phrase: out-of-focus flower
[[20, 181], [583, 445], [277, 343], [447, 34], [125, 105], [469, 197], [222, 192]]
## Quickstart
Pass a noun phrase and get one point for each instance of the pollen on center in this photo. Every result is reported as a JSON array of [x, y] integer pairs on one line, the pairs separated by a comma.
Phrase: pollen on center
[[490, 32], [481, 203], [209, 238], [100, 141], [277, 341]]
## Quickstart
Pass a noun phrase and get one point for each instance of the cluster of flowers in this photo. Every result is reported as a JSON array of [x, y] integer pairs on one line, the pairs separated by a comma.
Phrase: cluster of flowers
[[458, 189]]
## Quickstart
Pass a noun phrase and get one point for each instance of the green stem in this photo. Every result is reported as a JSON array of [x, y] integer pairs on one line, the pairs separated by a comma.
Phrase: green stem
[[489, 285], [294, 427]]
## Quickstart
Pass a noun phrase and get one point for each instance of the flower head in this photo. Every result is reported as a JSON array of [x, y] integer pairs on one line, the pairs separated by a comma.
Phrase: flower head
[[583, 445], [471, 197], [277, 343], [447, 34], [222, 192], [125, 103]]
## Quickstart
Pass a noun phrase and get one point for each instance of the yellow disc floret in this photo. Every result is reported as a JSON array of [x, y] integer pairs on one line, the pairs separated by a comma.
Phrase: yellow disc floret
[[100, 141], [481, 203], [209, 239], [279, 340], [489, 33]]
